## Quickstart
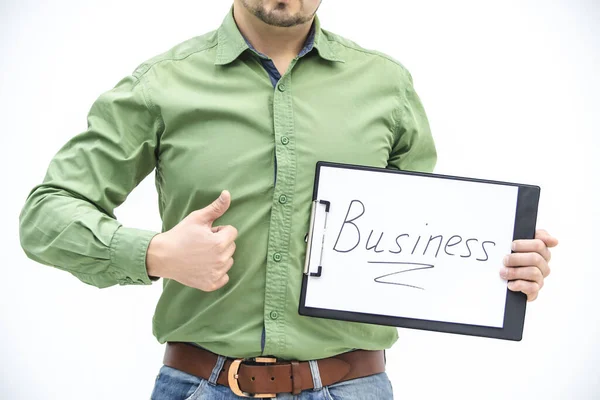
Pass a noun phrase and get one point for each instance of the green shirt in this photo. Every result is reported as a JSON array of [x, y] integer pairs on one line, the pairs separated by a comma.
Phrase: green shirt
[[205, 117]]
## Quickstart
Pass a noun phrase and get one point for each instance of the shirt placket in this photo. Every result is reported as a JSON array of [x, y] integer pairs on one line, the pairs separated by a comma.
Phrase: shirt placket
[[279, 230]]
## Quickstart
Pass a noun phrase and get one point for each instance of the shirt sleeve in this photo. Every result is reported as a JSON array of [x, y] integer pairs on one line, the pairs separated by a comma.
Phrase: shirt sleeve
[[68, 220], [414, 149]]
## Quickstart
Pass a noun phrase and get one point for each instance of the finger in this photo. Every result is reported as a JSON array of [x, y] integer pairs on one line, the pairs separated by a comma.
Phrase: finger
[[227, 234], [221, 282], [216, 229], [544, 236], [214, 210], [527, 260], [225, 257], [230, 250], [524, 273], [531, 289], [531, 246], [228, 265]]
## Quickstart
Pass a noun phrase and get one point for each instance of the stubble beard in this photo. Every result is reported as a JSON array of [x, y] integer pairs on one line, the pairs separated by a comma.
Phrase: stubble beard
[[278, 17]]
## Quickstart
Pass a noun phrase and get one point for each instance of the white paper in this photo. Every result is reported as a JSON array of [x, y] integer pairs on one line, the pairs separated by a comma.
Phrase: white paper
[[412, 272]]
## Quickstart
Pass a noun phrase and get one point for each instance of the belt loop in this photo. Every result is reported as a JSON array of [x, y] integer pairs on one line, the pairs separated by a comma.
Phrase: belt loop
[[316, 375], [216, 370], [296, 378]]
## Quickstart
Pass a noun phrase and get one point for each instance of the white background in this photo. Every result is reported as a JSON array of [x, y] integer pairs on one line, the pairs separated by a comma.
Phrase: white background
[[512, 92]]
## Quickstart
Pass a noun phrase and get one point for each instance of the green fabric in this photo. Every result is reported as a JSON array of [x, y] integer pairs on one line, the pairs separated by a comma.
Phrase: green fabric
[[205, 117]]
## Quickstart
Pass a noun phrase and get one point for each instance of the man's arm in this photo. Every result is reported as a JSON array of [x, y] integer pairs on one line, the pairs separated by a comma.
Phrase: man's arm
[[68, 221], [414, 150]]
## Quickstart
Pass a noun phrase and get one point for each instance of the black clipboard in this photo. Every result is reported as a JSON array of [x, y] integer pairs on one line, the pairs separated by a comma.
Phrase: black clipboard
[[515, 306]]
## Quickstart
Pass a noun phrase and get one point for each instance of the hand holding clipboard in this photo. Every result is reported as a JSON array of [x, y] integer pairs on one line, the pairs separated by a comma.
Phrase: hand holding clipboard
[[415, 250]]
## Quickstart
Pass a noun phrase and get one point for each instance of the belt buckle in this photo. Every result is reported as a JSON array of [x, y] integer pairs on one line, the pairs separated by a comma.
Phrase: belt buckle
[[232, 377]]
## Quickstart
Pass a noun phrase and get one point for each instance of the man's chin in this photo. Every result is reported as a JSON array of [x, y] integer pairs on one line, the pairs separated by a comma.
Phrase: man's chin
[[282, 20], [282, 24]]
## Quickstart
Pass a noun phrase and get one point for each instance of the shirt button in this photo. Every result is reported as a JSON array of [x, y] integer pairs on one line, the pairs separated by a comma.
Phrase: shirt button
[[274, 315], [283, 199], [285, 140], [277, 257], [281, 87]]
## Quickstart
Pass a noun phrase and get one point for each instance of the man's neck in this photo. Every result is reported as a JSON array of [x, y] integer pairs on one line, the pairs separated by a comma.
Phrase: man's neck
[[277, 43]]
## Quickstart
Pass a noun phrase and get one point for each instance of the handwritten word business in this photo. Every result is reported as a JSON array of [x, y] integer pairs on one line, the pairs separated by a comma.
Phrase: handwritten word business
[[350, 228]]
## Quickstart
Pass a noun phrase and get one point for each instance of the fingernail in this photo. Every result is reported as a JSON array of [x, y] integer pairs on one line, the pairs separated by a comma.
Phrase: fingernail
[[504, 272], [513, 246], [505, 260], [222, 197]]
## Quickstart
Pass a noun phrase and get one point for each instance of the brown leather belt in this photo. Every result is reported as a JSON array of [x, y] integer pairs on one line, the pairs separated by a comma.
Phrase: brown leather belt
[[264, 377]]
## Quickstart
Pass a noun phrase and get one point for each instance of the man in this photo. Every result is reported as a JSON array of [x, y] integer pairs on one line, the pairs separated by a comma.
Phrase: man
[[250, 108]]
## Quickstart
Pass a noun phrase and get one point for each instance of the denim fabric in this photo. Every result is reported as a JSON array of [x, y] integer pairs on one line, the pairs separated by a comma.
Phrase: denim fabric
[[172, 384]]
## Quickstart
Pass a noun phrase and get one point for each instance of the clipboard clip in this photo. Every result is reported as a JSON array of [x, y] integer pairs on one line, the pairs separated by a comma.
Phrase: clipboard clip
[[310, 236]]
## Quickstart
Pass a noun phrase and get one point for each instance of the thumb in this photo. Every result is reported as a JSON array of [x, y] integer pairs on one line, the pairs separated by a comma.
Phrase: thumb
[[215, 209]]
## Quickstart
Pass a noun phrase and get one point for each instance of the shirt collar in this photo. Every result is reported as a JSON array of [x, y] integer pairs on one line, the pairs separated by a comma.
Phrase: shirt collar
[[231, 43]]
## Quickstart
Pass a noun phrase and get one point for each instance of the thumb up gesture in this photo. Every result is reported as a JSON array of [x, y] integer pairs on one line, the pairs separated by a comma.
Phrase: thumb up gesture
[[194, 252]]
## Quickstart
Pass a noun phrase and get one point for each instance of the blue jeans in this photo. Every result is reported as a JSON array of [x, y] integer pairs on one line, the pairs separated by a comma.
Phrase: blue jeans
[[172, 384]]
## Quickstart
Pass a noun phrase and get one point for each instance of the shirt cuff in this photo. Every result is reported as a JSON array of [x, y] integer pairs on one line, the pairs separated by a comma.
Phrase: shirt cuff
[[128, 250]]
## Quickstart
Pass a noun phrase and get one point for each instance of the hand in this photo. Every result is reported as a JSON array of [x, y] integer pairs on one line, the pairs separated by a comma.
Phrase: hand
[[195, 253], [527, 267]]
